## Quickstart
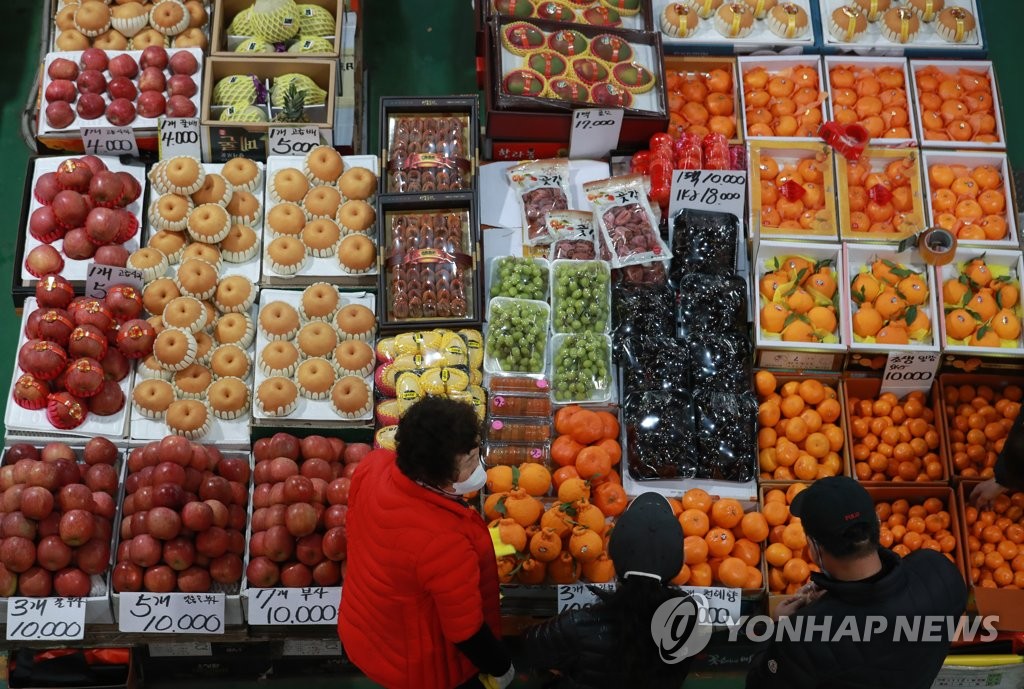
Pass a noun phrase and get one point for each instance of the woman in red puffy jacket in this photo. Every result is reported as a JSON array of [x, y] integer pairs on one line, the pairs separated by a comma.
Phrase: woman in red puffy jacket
[[420, 602]]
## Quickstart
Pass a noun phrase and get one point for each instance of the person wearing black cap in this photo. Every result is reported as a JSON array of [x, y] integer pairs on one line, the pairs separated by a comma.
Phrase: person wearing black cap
[[1009, 468], [859, 579], [610, 645]]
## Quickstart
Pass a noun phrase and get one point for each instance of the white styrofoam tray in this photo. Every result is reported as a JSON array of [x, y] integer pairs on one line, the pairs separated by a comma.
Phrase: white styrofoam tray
[[315, 267], [973, 159], [307, 409], [19, 419], [873, 63], [760, 37], [251, 268], [78, 270], [139, 122], [872, 40], [953, 67]]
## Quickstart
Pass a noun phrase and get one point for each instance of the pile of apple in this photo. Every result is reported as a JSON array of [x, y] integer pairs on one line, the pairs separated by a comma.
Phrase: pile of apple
[[120, 88], [300, 506], [85, 208], [183, 519], [58, 512], [77, 352]]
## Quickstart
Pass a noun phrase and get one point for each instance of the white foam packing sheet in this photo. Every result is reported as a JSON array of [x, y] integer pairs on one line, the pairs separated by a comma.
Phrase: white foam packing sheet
[[307, 409], [873, 42], [251, 268], [498, 204], [646, 55], [139, 122], [760, 37], [78, 270], [315, 267], [23, 420], [233, 433]]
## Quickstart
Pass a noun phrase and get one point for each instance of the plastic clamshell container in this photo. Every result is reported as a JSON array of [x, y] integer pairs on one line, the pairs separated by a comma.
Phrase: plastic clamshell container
[[494, 307], [511, 454], [601, 390], [562, 266], [519, 405], [496, 266], [518, 430]]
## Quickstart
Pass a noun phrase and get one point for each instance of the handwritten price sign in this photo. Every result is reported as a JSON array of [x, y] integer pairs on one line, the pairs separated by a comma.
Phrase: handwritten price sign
[[595, 131], [171, 613], [101, 278], [723, 191], [286, 141], [579, 596], [109, 141], [45, 619], [179, 136], [907, 372], [722, 606], [304, 606]]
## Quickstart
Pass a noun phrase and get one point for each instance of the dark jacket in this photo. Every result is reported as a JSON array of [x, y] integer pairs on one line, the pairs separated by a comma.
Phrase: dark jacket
[[584, 647], [1009, 469], [923, 583]]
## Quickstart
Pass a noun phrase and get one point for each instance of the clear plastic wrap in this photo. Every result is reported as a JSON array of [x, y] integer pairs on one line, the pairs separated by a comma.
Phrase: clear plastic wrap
[[661, 434], [517, 336], [627, 223], [518, 430], [541, 186], [514, 454], [703, 242], [643, 313], [711, 303], [572, 235], [726, 435], [428, 154], [720, 361], [519, 278], [580, 297], [581, 368], [658, 364]]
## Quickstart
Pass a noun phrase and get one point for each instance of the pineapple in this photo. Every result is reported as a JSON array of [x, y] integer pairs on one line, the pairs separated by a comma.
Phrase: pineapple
[[294, 108]]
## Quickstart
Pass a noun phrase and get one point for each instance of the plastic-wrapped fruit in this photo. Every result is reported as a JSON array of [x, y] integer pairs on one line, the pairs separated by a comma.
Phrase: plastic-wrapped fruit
[[54, 291], [581, 297], [43, 260], [30, 392], [521, 278], [517, 338], [124, 302], [93, 312], [54, 325], [84, 377], [44, 360], [87, 341], [115, 365], [108, 401], [135, 339], [582, 370], [65, 411]]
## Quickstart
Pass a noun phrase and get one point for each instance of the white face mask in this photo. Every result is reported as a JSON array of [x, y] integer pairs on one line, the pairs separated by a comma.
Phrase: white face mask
[[816, 557], [475, 482]]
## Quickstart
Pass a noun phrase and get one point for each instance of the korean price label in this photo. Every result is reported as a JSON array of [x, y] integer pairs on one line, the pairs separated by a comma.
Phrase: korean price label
[[799, 361], [178, 136], [303, 606], [907, 372], [171, 613], [718, 606], [109, 141], [312, 647], [723, 191], [595, 131], [579, 596], [101, 278], [45, 619], [286, 141]]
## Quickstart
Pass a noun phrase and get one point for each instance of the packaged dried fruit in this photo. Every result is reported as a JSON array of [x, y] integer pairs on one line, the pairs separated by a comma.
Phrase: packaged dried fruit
[[518, 431], [498, 454], [428, 153], [573, 235], [541, 186], [626, 221], [519, 405]]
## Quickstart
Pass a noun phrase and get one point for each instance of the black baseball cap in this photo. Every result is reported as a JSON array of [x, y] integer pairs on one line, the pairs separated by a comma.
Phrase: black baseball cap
[[647, 539], [830, 506]]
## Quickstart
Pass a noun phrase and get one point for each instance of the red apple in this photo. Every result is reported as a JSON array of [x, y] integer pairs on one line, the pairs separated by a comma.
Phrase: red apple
[[127, 576], [122, 87], [178, 85], [75, 496], [71, 582], [220, 512], [8, 582], [100, 451], [169, 495], [62, 68], [160, 579], [300, 519], [95, 164], [279, 544], [261, 474], [180, 106], [309, 549], [194, 580], [94, 556], [152, 79], [283, 467], [91, 106], [94, 58], [226, 569], [17, 524], [257, 544], [316, 447], [77, 526], [133, 189], [298, 489], [338, 446], [153, 56], [285, 445], [179, 553], [276, 515], [327, 573], [197, 516], [120, 112], [145, 550], [184, 62], [349, 470], [164, 523], [337, 491], [234, 469], [92, 81], [59, 114], [105, 506], [296, 575], [61, 90], [70, 208], [168, 472], [236, 542], [216, 488], [50, 526], [262, 572], [36, 502], [261, 450], [17, 553], [123, 65], [36, 582], [354, 452], [151, 104], [101, 478], [43, 474], [176, 449], [236, 517], [213, 542], [335, 544], [317, 468]]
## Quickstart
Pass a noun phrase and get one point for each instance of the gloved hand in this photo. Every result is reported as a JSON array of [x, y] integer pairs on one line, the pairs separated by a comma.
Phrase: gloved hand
[[492, 682]]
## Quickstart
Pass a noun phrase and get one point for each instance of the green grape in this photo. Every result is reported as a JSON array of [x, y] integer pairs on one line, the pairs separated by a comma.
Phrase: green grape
[[581, 368], [517, 335], [581, 297], [520, 278]]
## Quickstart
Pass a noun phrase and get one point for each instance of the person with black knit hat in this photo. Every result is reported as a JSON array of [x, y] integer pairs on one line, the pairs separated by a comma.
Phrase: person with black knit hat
[[610, 645], [867, 587]]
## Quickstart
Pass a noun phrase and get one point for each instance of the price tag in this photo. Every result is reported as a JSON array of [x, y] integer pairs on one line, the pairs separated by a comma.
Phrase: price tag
[[171, 613], [303, 606], [579, 596], [179, 136], [109, 141], [286, 141], [799, 361], [312, 647], [189, 648], [720, 606], [907, 372], [45, 619], [595, 131], [101, 278], [724, 191]]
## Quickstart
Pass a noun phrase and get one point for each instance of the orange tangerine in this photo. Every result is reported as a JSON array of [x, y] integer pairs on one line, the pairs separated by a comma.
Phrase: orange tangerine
[[984, 336], [964, 187], [786, 126], [769, 192], [756, 78], [858, 198], [987, 177], [844, 96], [865, 288], [984, 304], [992, 201], [892, 334], [823, 283], [719, 104], [800, 301], [768, 168], [695, 113], [842, 77], [960, 324], [944, 200], [913, 289], [1006, 324], [941, 176], [798, 331], [978, 272], [867, 321], [782, 106], [969, 210], [771, 282], [890, 305]]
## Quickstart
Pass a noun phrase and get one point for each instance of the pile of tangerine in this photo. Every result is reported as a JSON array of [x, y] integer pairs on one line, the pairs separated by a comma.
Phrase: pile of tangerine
[[701, 102], [787, 554], [793, 196], [784, 103], [995, 543], [879, 201], [956, 107], [891, 300], [981, 309], [970, 203], [895, 440], [798, 435], [877, 99], [906, 528], [798, 300], [979, 420]]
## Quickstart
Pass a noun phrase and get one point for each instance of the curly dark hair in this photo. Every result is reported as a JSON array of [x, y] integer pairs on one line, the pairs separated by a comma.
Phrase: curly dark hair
[[433, 432]]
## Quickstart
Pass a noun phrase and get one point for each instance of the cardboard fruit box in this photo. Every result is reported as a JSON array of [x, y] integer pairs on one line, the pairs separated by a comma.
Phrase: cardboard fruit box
[[1006, 604], [878, 160], [691, 68], [788, 155], [224, 140], [870, 389], [782, 66], [859, 65], [224, 45], [947, 382]]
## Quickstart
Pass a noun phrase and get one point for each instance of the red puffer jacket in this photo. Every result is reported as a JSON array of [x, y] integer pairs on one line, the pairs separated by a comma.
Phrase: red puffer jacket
[[421, 577]]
